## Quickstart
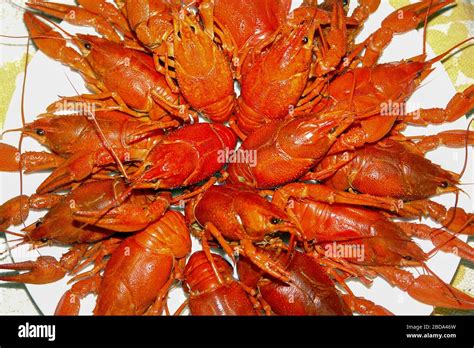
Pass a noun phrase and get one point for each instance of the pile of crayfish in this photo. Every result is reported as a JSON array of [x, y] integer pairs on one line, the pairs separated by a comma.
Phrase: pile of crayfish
[[268, 179]]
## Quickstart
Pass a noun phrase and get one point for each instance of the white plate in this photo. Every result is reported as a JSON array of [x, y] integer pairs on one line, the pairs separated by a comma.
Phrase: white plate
[[47, 79]]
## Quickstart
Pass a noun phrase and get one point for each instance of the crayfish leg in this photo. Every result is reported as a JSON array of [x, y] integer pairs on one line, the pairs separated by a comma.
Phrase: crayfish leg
[[441, 239], [454, 219], [217, 234], [427, 288], [263, 261], [161, 299], [452, 138], [413, 16], [127, 217], [325, 194], [459, 105]]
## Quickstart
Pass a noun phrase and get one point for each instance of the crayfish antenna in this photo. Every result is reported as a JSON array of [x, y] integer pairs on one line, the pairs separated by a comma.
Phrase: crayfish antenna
[[181, 308], [13, 240], [10, 131], [22, 240], [20, 163], [449, 51], [102, 136], [9, 249], [15, 234], [23, 118], [425, 28], [438, 58], [466, 153]]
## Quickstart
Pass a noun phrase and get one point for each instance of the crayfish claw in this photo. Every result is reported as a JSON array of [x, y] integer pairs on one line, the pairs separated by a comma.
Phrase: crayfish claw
[[10, 160], [14, 212], [44, 270]]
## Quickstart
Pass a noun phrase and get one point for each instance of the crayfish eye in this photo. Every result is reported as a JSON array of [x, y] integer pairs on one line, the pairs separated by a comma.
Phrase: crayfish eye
[[40, 132], [193, 10], [345, 3], [148, 167], [38, 223], [305, 40], [275, 221], [408, 257], [444, 184], [88, 46], [333, 130]]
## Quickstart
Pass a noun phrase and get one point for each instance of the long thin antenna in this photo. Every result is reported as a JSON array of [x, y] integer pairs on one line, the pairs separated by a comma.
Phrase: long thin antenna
[[466, 146], [102, 136], [425, 28], [20, 143], [23, 122], [33, 37]]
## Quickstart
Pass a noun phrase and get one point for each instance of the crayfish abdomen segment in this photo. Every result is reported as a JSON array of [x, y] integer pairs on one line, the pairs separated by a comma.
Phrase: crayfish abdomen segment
[[207, 296], [132, 279]]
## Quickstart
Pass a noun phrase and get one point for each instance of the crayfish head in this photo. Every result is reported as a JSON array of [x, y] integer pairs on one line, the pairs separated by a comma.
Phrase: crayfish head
[[423, 178], [260, 217], [144, 176], [55, 132], [292, 51], [38, 232], [41, 130], [411, 255], [100, 53], [446, 182]]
